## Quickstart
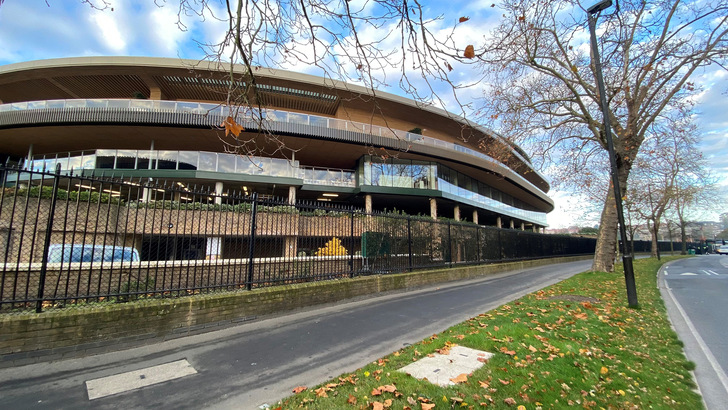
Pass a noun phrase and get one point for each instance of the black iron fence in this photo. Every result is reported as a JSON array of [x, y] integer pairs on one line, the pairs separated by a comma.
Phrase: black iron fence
[[71, 239]]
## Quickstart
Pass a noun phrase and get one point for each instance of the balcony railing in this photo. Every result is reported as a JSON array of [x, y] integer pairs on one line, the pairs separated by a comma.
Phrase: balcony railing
[[211, 114], [193, 160]]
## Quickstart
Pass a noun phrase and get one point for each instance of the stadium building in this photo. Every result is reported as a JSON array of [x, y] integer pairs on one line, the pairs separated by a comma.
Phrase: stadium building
[[306, 137]]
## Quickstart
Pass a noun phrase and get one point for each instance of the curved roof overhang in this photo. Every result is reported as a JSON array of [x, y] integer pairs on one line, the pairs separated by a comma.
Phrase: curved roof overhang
[[148, 73]]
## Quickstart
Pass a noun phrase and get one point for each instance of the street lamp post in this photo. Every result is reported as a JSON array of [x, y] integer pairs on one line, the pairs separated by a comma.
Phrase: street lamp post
[[626, 254]]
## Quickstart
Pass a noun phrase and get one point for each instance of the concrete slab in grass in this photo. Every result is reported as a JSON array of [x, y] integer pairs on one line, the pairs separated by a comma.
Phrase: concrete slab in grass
[[439, 369]]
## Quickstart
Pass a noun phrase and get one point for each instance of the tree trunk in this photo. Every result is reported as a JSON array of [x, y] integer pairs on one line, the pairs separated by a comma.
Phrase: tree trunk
[[654, 230], [683, 238], [607, 239], [606, 249]]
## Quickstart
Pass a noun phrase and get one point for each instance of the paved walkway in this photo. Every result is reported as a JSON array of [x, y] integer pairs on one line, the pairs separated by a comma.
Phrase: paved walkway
[[257, 363]]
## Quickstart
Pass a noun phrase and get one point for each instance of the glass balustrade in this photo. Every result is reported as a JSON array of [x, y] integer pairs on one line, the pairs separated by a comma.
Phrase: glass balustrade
[[230, 163], [193, 160], [491, 204], [269, 115]]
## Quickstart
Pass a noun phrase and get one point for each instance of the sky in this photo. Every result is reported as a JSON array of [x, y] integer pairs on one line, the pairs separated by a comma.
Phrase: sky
[[44, 29]]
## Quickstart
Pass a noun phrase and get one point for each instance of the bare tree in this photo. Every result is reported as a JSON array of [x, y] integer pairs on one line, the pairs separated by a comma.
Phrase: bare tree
[[670, 173], [542, 91]]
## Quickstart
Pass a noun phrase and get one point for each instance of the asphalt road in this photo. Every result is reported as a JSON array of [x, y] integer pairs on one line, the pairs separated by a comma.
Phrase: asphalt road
[[695, 291], [258, 363]]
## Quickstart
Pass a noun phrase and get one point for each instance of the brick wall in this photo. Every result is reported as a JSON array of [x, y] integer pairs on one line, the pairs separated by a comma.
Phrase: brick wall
[[29, 337]]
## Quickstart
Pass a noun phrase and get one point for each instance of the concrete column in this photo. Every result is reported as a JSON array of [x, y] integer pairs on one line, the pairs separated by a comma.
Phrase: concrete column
[[433, 208], [155, 93], [29, 159], [292, 195], [457, 212], [523, 226], [513, 226], [368, 204], [218, 193], [475, 216], [534, 228], [499, 222], [213, 250], [291, 247]]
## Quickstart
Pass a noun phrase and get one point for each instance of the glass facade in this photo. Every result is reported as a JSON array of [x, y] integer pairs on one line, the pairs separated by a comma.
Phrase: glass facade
[[195, 161], [372, 171], [399, 173], [267, 114]]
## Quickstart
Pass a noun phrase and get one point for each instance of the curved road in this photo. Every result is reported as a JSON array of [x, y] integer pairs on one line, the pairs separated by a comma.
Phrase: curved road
[[695, 291], [258, 363]]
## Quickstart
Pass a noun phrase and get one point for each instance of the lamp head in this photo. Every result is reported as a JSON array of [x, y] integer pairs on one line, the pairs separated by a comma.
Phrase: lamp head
[[604, 4]]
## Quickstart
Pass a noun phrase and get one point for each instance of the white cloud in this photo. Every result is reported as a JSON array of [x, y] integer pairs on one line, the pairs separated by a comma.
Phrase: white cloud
[[108, 32]]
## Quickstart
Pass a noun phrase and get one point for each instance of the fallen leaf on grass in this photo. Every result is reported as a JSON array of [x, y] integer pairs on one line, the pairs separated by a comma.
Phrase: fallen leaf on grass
[[461, 378], [505, 350], [509, 401], [299, 389], [388, 388], [352, 400], [321, 392]]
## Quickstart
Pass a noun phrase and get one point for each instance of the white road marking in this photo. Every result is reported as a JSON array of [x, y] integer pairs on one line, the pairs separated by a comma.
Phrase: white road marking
[[714, 273], [688, 274], [119, 383]]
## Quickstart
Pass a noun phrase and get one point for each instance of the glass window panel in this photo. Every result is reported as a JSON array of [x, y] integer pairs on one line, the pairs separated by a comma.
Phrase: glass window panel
[[226, 163], [337, 124], [167, 159], [318, 121], [96, 103], [118, 103], [421, 175], [105, 161], [88, 161], [126, 159], [297, 118], [402, 174], [164, 105], [188, 160], [146, 159], [208, 161], [76, 162], [144, 105], [36, 105], [247, 165], [75, 103], [184, 106]]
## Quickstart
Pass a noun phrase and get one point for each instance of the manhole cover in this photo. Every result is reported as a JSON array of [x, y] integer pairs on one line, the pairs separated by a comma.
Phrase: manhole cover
[[439, 369]]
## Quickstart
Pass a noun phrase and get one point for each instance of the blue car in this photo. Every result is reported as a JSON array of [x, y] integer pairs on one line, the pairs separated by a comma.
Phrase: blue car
[[91, 253]]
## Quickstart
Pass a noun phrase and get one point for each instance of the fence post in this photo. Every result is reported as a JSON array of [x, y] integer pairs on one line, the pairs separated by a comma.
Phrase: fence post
[[409, 240], [477, 243], [251, 247], [351, 257], [47, 241], [501, 251], [449, 243]]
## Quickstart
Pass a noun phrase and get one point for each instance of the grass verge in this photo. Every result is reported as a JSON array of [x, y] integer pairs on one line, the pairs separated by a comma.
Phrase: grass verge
[[575, 343]]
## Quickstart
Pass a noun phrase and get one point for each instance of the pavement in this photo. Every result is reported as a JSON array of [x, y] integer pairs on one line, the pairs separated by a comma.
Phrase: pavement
[[694, 291]]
